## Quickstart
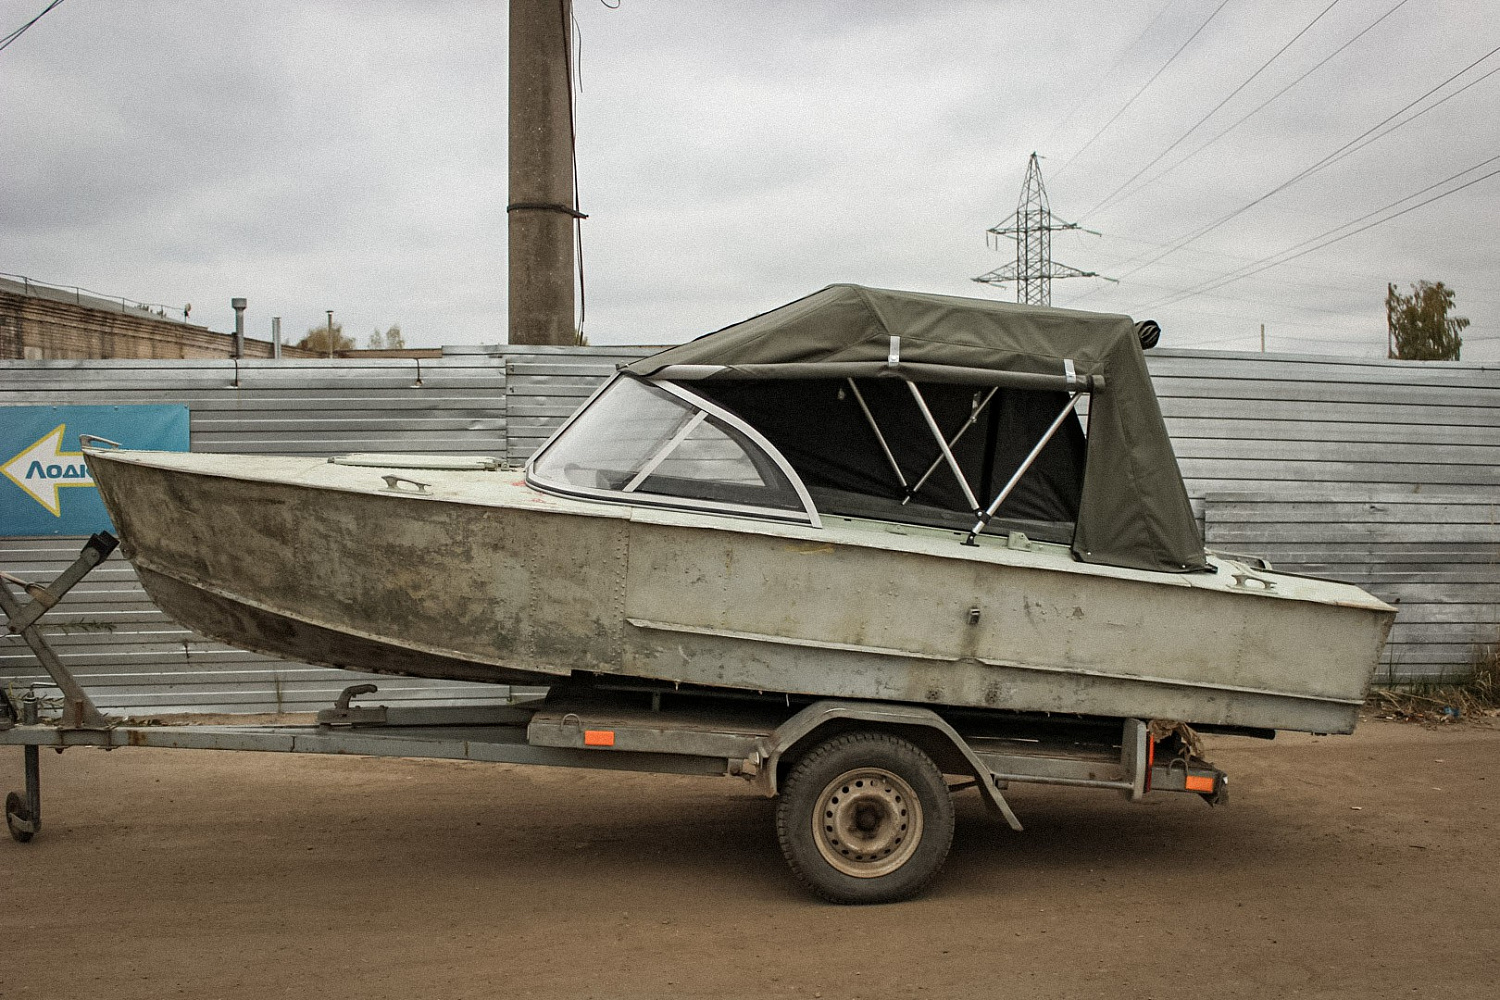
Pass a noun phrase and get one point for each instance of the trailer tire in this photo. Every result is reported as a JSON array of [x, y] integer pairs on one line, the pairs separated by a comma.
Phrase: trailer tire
[[865, 817], [18, 819]]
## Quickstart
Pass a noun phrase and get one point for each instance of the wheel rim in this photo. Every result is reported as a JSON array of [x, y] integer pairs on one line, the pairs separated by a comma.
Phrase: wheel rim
[[868, 822]]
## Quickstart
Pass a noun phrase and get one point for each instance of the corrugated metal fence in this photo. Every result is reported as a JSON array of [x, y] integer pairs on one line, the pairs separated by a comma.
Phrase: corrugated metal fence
[[130, 656], [1385, 474], [1381, 473]]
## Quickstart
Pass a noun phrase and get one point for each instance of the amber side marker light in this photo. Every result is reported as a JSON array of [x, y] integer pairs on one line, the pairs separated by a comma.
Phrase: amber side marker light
[[598, 737], [1198, 783]]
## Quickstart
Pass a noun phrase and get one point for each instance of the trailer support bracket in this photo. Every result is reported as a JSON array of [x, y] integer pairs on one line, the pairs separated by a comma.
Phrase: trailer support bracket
[[79, 711]]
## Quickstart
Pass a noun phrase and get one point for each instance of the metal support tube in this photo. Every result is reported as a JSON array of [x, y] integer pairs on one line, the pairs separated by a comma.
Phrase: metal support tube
[[43, 599], [23, 813], [937, 434], [989, 512], [78, 709], [859, 396], [664, 451], [34, 787], [973, 419]]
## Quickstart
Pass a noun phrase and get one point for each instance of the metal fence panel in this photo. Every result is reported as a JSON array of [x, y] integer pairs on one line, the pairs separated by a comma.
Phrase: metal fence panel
[[1436, 557], [1292, 425], [1384, 474], [129, 655]]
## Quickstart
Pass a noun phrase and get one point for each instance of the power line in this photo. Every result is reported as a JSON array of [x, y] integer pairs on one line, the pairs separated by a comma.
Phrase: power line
[[5, 42], [1287, 255], [1138, 93], [1266, 303], [1251, 114], [1327, 160], [1256, 268], [1355, 276], [1200, 122], [1220, 271], [1078, 104], [1282, 283], [1403, 123]]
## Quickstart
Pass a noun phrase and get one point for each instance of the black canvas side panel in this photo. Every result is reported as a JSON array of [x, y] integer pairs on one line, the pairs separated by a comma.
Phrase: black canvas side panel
[[819, 427], [1052, 487]]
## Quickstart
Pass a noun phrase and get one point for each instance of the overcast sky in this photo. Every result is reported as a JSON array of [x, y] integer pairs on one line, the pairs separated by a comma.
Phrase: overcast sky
[[734, 156]]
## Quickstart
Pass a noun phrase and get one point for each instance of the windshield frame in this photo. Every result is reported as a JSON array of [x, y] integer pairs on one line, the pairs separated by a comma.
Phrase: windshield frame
[[704, 408]]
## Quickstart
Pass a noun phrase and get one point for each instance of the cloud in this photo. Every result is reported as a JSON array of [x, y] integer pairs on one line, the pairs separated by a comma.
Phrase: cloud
[[731, 157]]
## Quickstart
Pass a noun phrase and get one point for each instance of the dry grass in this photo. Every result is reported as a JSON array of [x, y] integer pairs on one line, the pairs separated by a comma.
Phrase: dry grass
[[1479, 696]]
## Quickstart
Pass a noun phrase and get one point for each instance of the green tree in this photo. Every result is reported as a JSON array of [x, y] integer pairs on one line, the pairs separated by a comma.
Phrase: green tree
[[1419, 325], [390, 340], [317, 339]]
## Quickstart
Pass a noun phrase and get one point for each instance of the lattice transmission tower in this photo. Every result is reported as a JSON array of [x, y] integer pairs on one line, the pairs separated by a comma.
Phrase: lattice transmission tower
[[1032, 229]]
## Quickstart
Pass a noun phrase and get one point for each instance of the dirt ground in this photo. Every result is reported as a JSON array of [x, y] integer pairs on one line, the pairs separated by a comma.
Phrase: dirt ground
[[1363, 866]]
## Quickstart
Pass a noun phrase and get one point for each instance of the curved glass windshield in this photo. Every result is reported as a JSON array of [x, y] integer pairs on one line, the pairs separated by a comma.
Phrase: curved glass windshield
[[643, 443]]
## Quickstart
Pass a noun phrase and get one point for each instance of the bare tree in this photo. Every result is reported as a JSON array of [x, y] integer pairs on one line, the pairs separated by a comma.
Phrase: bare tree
[[390, 340]]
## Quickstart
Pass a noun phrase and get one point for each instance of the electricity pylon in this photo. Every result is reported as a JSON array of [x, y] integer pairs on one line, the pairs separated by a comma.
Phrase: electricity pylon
[[1032, 229]]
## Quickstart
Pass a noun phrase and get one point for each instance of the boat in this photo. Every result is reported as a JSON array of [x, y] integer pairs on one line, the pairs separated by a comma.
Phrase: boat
[[863, 494]]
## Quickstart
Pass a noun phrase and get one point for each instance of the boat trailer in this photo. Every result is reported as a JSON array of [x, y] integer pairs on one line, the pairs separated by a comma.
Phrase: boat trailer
[[864, 812]]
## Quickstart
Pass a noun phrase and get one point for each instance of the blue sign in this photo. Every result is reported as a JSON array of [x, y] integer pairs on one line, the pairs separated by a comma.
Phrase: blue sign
[[45, 488]]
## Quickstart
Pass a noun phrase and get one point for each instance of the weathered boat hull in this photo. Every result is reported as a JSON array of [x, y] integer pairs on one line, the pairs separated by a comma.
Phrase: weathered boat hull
[[481, 578]]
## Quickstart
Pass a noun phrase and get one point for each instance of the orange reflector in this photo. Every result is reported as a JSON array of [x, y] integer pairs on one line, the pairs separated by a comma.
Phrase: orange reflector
[[1196, 783], [606, 738]]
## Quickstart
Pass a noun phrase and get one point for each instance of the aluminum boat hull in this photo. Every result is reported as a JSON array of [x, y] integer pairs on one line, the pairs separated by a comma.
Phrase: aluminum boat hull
[[479, 577]]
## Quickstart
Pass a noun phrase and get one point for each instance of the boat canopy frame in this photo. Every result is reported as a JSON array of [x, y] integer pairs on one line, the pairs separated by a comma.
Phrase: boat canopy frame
[[1125, 502], [946, 444], [704, 408], [907, 373]]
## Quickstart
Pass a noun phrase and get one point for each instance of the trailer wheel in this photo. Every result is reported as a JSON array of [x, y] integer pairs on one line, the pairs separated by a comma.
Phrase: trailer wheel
[[18, 819], [865, 818]]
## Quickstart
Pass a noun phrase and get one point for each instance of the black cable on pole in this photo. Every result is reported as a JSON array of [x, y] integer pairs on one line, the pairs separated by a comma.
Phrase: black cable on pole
[[569, 22], [1138, 93], [5, 42]]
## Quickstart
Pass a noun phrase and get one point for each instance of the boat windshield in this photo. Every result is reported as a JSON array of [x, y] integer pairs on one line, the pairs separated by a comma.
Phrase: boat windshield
[[637, 442]]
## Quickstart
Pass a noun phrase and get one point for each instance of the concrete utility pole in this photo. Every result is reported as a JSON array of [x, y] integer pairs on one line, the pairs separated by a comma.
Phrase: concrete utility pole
[[330, 333], [541, 209]]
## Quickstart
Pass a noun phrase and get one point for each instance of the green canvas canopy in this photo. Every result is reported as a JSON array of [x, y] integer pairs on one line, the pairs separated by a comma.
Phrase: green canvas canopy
[[1118, 488]]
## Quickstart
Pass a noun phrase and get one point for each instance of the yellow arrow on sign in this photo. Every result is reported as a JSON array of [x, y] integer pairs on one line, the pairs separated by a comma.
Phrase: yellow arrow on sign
[[42, 468]]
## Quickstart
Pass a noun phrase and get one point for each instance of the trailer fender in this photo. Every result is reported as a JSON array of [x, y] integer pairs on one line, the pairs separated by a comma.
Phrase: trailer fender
[[811, 724]]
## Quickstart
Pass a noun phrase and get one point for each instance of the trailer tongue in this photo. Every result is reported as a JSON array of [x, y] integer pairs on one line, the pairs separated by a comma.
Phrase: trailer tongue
[[864, 789]]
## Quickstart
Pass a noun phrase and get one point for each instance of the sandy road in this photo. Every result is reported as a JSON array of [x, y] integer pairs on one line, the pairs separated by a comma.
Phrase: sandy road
[[1364, 866]]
